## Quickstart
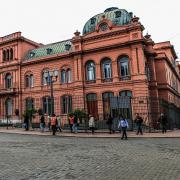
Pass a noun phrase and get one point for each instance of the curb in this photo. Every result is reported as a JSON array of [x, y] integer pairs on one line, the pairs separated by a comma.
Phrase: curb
[[86, 136]]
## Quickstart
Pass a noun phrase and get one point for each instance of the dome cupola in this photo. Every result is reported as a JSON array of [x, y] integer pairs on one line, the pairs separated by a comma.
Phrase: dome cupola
[[118, 17]]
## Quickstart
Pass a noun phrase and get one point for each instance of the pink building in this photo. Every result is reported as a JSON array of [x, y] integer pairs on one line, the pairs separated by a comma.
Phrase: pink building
[[110, 69]]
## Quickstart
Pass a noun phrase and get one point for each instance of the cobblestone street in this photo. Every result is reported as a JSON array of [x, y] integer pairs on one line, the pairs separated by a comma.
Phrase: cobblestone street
[[24, 157]]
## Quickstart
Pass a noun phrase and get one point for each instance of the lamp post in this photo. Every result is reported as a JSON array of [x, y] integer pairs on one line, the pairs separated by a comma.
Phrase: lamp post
[[51, 77]]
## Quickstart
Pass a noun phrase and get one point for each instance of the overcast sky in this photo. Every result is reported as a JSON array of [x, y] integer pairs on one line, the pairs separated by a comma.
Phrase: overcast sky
[[48, 21]]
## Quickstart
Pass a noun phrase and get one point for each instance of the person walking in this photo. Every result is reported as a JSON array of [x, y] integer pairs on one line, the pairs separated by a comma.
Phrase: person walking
[[139, 120], [71, 122], [123, 123], [91, 123], [42, 123], [110, 123], [26, 122], [59, 123], [49, 122], [53, 124], [163, 121], [75, 124]]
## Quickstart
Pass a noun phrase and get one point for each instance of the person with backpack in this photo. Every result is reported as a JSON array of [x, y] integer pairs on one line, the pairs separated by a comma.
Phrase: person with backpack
[[123, 123], [139, 120]]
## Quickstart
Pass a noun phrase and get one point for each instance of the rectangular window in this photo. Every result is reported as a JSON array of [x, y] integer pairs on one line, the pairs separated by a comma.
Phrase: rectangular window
[[124, 69], [47, 105], [66, 102]]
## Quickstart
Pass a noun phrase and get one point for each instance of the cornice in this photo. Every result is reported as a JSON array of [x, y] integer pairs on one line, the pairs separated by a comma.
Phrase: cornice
[[9, 65], [112, 46], [19, 39], [111, 33], [167, 87], [169, 63], [45, 59]]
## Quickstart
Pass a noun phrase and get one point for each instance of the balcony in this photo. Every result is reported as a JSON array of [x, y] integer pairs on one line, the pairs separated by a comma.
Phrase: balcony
[[90, 81], [7, 91], [125, 78], [107, 80]]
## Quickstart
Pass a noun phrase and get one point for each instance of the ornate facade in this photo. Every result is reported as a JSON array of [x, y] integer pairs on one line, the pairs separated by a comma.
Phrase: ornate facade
[[111, 58]]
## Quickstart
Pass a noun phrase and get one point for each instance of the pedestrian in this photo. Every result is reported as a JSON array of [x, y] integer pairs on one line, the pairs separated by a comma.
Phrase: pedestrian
[[26, 122], [53, 123], [91, 123], [115, 125], [59, 123], [71, 122], [75, 124], [139, 121], [42, 123], [123, 123], [163, 122], [49, 122], [110, 123]]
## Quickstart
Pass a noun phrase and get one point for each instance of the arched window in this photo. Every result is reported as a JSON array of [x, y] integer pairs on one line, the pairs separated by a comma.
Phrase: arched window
[[125, 93], [29, 103], [8, 81], [63, 76], [9, 107], [69, 75], [124, 66], [117, 14], [106, 68], [29, 80], [66, 104], [103, 26], [107, 98], [90, 71], [11, 54], [8, 54], [46, 105], [92, 104], [44, 79], [4, 55]]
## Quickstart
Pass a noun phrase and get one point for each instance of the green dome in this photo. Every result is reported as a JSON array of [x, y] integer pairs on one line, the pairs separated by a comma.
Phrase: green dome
[[118, 17]]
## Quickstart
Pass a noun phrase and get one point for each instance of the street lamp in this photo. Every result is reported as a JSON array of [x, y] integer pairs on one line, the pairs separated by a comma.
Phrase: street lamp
[[51, 77]]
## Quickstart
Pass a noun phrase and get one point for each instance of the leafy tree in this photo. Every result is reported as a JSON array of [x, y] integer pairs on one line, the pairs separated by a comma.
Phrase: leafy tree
[[79, 113], [30, 113]]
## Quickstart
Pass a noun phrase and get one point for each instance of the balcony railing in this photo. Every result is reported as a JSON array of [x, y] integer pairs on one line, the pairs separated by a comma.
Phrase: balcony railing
[[107, 80], [8, 91], [90, 81], [125, 78]]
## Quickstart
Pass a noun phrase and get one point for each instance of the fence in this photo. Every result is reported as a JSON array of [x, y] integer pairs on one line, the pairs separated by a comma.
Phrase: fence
[[149, 108]]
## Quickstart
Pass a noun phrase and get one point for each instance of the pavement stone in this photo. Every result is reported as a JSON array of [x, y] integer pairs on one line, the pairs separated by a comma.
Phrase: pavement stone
[[29, 157]]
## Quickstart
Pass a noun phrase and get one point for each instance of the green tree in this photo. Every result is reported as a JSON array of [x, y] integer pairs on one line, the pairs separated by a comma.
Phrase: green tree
[[30, 113], [79, 113]]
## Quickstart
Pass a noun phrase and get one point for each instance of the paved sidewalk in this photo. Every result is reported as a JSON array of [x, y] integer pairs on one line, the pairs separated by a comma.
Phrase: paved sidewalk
[[169, 134]]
